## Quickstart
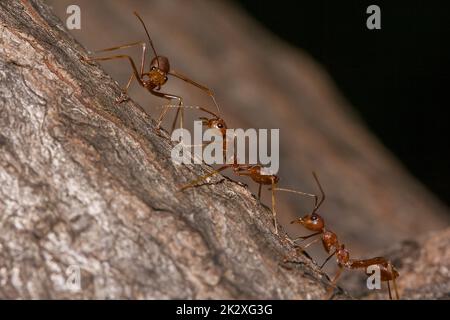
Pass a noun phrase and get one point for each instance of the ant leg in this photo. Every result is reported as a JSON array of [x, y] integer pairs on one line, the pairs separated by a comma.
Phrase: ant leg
[[180, 112], [181, 118], [181, 106], [393, 282], [333, 282], [193, 183], [243, 171], [389, 290], [160, 118], [309, 244], [308, 236], [300, 249], [327, 259], [174, 123], [259, 191], [141, 43], [273, 205], [124, 94], [198, 85], [167, 107], [122, 56], [397, 296]]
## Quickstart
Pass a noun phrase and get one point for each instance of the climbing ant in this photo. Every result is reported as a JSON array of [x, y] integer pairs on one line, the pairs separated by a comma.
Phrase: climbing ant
[[316, 223], [215, 122], [155, 78], [252, 171]]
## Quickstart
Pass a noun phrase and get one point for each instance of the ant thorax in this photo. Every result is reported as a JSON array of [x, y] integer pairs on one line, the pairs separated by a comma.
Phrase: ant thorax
[[330, 241]]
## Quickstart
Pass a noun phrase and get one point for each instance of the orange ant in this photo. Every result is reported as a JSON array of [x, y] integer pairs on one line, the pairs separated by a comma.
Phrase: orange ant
[[252, 171], [314, 222], [155, 78], [215, 122]]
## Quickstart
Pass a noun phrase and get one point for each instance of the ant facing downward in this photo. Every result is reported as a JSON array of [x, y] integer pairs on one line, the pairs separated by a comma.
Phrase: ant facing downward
[[254, 172], [153, 79], [316, 223]]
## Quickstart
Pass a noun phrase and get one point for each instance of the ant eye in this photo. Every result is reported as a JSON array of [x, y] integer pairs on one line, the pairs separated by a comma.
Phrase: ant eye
[[314, 217], [153, 68], [220, 126]]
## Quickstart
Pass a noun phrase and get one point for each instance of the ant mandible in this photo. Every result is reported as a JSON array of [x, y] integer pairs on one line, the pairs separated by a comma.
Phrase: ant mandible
[[316, 223], [153, 79]]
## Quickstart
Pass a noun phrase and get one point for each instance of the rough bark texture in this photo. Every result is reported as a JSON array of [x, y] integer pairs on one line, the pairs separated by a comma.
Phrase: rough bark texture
[[261, 82], [85, 181], [424, 265]]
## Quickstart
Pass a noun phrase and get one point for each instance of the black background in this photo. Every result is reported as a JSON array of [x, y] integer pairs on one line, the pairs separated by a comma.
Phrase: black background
[[397, 78]]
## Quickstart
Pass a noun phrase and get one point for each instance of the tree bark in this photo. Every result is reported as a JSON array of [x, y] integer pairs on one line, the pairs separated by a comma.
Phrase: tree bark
[[424, 265], [260, 82], [87, 182]]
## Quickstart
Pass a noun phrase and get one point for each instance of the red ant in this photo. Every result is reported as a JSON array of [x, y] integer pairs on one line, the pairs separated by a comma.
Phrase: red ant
[[153, 79], [252, 171], [215, 122], [314, 222]]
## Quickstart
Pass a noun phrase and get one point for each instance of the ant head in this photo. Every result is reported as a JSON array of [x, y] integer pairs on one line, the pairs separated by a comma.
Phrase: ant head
[[161, 63], [313, 222], [215, 123], [342, 255]]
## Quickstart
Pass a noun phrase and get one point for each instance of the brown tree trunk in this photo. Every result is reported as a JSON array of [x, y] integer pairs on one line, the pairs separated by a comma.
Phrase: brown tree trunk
[[85, 181]]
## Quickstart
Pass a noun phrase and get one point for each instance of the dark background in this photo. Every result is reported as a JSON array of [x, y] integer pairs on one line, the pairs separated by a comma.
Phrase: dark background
[[397, 78]]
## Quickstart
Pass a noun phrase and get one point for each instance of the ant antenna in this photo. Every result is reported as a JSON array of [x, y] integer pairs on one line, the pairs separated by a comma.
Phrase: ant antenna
[[148, 35], [192, 107], [298, 192], [321, 192]]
